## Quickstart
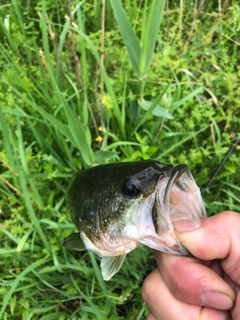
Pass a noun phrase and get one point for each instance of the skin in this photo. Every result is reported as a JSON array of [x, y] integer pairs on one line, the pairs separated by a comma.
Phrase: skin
[[203, 287]]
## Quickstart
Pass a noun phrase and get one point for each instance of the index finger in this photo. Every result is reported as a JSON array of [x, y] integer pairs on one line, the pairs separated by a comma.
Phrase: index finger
[[192, 282]]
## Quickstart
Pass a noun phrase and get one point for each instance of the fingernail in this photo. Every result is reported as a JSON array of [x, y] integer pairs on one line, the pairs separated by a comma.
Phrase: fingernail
[[186, 225], [216, 300]]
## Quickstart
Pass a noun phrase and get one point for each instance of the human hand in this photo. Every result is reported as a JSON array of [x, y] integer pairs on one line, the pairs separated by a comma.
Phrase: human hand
[[203, 287]]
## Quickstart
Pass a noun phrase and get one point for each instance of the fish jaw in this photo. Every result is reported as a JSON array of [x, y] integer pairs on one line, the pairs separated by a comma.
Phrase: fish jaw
[[167, 243], [177, 197], [142, 227], [105, 247], [137, 230]]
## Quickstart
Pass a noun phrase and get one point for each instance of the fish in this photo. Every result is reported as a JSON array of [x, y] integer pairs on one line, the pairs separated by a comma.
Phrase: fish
[[118, 207]]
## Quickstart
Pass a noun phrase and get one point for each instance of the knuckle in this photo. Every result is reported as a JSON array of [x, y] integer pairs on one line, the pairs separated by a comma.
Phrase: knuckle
[[148, 287]]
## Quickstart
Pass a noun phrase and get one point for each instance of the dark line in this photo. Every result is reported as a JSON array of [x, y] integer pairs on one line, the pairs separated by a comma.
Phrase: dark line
[[221, 165]]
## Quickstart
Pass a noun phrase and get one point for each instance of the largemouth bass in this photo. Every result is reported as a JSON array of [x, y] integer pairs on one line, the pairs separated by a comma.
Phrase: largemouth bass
[[119, 206]]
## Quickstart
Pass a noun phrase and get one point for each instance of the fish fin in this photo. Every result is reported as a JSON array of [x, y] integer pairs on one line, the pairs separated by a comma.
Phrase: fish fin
[[74, 242], [111, 265]]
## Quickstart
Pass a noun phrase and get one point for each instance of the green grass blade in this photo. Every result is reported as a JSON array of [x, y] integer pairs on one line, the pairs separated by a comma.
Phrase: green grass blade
[[107, 81], [179, 103], [14, 285], [176, 145], [23, 184], [50, 81], [73, 131], [88, 299], [150, 33], [117, 112], [79, 137], [5, 138], [128, 35]]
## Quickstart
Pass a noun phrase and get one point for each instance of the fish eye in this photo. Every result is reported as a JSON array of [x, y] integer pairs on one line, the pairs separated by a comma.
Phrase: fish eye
[[131, 190]]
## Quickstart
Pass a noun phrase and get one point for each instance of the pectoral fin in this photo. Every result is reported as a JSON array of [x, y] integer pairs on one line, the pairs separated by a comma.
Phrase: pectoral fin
[[111, 265], [74, 242]]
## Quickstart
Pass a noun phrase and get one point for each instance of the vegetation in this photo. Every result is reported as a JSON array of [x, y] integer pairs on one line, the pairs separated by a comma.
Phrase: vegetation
[[67, 102]]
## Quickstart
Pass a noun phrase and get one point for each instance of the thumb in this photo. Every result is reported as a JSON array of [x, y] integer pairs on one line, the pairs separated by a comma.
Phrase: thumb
[[217, 237]]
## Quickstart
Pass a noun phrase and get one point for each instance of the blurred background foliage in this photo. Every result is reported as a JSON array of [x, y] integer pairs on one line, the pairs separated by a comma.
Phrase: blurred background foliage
[[67, 102]]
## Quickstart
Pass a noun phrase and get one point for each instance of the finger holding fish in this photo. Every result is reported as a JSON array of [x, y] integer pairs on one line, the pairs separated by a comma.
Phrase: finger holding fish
[[222, 232], [210, 279], [164, 305], [194, 281]]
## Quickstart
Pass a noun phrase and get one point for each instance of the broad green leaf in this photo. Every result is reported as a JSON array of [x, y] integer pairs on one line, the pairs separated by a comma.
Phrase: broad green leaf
[[128, 35], [230, 166], [104, 155], [122, 143], [150, 33], [157, 111], [150, 109]]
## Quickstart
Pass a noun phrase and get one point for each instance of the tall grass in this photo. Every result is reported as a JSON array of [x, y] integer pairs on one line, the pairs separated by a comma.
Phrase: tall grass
[[66, 104]]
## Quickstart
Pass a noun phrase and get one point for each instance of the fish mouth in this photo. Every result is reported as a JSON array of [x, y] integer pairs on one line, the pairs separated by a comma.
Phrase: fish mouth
[[177, 198]]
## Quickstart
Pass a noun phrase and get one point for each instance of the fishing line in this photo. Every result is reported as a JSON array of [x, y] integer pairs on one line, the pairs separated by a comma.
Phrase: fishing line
[[221, 165]]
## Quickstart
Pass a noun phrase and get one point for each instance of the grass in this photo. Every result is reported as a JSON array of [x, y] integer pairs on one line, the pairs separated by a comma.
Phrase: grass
[[71, 97]]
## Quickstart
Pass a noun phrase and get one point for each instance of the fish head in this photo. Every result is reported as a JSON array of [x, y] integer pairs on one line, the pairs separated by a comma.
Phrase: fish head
[[120, 206], [101, 201]]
